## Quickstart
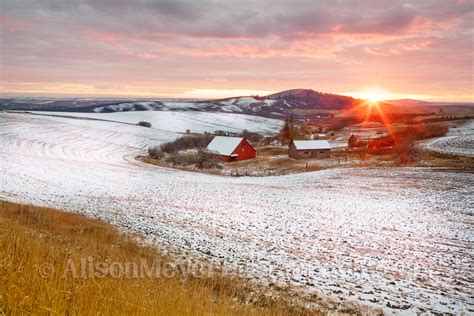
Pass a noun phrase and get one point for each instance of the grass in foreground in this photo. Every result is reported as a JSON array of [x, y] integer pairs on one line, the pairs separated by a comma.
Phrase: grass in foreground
[[37, 242]]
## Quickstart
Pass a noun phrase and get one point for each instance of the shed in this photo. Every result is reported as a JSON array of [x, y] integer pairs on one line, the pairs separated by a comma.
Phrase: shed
[[232, 148], [301, 149]]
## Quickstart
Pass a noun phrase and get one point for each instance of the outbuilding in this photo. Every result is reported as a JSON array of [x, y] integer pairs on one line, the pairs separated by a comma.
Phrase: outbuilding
[[232, 148], [301, 149]]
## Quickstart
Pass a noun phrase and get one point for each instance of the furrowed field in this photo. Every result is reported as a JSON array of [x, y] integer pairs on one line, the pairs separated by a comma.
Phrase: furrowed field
[[398, 239]]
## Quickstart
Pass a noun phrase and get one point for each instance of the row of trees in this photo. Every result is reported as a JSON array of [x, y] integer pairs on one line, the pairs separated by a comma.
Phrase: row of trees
[[201, 159], [187, 142], [443, 119]]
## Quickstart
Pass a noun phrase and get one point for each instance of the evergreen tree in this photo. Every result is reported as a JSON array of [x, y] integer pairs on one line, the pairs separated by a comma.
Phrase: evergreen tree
[[352, 141], [286, 133]]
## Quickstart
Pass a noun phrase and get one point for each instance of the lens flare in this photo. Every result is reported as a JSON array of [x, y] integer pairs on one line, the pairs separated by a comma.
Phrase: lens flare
[[372, 94]]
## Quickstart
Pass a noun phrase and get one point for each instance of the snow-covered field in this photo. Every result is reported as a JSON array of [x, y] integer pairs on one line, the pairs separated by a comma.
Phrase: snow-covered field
[[197, 122], [397, 238], [459, 141]]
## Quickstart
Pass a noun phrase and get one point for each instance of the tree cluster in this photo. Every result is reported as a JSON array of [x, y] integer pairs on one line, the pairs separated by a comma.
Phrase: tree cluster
[[187, 142], [200, 159], [144, 124]]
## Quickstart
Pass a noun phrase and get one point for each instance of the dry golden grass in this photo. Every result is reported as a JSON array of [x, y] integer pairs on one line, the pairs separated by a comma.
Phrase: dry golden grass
[[272, 150], [31, 237], [440, 160]]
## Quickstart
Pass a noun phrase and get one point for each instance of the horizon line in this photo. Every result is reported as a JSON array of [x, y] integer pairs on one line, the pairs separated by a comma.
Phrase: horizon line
[[98, 96]]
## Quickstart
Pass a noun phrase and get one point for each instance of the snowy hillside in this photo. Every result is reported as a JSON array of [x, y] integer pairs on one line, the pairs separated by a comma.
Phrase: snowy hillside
[[242, 105], [180, 122], [273, 106], [397, 238], [459, 141]]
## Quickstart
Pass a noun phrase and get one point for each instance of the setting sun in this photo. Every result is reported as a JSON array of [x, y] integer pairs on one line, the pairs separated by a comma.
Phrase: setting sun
[[372, 94], [374, 97]]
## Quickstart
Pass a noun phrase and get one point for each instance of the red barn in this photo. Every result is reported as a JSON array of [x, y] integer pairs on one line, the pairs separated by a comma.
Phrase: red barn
[[232, 148]]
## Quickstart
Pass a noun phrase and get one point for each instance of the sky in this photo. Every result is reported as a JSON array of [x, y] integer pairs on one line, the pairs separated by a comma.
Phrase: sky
[[212, 49]]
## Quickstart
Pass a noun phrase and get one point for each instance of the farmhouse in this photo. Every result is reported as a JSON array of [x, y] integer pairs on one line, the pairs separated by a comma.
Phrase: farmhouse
[[232, 148], [300, 149]]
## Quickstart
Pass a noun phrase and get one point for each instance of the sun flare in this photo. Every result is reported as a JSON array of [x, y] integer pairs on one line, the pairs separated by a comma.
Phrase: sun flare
[[374, 97], [372, 94]]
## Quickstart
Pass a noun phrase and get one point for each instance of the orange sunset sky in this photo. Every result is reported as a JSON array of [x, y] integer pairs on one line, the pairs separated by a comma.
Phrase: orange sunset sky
[[213, 49]]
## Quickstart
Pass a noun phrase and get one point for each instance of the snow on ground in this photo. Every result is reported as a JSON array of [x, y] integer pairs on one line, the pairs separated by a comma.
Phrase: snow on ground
[[459, 141], [233, 105], [175, 121], [245, 103], [395, 238], [242, 101]]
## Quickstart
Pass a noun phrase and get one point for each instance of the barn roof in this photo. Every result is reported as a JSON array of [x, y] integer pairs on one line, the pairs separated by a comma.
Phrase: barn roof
[[311, 144], [224, 145]]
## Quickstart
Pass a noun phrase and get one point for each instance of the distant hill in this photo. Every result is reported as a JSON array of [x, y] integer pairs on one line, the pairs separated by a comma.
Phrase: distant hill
[[412, 102], [310, 99], [276, 105], [407, 102]]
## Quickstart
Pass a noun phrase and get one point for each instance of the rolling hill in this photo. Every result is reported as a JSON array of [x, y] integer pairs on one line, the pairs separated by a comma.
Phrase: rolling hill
[[412, 102], [276, 105], [301, 102]]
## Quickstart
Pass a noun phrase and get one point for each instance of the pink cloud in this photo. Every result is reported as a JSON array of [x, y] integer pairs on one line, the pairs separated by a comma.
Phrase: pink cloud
[[374, 51], [414, 45], [13, 24], [101, 36]]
